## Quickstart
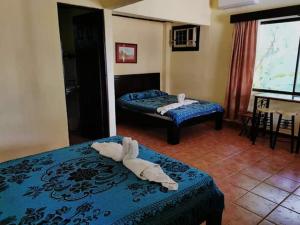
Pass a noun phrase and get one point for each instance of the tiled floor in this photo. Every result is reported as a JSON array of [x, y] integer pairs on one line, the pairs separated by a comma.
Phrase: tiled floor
[[261, 186]]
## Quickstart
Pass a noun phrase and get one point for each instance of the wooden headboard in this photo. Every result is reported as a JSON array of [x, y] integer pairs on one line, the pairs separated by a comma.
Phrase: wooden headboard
[[136, 82]]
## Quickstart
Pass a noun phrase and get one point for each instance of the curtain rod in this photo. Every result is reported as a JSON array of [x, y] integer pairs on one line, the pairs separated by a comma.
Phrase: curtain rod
[[266, 14]]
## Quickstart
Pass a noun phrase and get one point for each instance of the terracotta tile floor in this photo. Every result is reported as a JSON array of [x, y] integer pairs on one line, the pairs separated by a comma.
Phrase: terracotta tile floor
[[261, 186]]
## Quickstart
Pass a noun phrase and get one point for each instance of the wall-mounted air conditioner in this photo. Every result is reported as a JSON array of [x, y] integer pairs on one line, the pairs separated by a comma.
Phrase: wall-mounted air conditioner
[[185, 38], [227, 4]]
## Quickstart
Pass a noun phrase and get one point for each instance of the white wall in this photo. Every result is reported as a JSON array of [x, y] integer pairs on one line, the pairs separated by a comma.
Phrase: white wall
[[110, 70], [188, 11], [32, 99]]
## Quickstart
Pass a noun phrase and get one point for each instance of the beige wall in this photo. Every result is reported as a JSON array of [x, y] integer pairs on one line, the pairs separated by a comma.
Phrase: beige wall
[[195, 12], [148, 36], [33, 112], [204, 74]]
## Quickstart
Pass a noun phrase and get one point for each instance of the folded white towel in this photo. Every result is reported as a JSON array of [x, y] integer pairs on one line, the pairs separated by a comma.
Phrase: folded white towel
[[126, 142], [110, 150], [164, 109], [181, 98], [143, 169], [189, 102], [130, 148], [156, 174]]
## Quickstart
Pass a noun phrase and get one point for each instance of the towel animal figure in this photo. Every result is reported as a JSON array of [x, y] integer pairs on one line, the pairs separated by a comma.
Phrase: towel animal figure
[[164, 109], [181, 98], [189, 102], [143, 169], [181, 102], [110, 150]]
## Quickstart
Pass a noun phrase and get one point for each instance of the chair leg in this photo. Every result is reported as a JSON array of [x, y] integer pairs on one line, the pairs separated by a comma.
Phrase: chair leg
[[252, 128], [245, 129], [244, 124], [277, 131], [292, 134], [271, 129], [298, 142], [265, 123], [256, 128], [248, 130]]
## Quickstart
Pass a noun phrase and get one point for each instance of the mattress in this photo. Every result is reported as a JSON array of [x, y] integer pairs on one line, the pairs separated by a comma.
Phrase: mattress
[[75, 185]]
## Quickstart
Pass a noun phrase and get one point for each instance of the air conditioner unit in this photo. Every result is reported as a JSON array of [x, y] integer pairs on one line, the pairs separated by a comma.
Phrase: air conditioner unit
[[227, 4]]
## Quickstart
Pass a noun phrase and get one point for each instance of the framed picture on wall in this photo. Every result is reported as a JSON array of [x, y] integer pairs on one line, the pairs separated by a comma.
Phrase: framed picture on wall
[[126, 53]]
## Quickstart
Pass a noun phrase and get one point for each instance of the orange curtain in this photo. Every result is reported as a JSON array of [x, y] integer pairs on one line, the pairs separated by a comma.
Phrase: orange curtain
[[242, 68]]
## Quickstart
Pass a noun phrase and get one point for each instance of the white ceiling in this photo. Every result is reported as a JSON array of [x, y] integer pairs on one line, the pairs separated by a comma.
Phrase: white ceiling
[[113, 4]]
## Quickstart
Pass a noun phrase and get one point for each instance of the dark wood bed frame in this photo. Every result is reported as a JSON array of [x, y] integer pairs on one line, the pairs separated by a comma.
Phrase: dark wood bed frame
[[140, 82]]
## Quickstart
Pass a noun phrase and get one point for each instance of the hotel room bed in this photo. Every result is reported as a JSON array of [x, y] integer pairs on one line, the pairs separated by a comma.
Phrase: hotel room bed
[[75, 185], [138, 97], [149, 101]]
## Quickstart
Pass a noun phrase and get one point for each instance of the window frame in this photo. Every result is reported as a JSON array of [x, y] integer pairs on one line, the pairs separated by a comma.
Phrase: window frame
[[186, 28], [294, 92]]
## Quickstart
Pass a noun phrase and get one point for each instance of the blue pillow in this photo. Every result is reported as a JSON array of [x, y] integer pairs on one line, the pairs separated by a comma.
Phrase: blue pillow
[[143, 95]]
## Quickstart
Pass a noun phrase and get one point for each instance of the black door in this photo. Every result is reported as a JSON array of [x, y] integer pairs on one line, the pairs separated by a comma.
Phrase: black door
[[91, 71]]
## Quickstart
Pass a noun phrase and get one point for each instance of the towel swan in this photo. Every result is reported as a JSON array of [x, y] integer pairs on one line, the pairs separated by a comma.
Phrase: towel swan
[[128, 154], [143, 169], [181, 102]]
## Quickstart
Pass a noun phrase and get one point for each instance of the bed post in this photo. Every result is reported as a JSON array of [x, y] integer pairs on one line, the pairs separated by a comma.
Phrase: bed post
[[214, 219], [219, 120], [173, 134]]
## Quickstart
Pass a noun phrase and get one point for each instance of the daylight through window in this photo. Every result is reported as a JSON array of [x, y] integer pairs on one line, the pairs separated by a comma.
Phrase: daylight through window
[[277, 57]]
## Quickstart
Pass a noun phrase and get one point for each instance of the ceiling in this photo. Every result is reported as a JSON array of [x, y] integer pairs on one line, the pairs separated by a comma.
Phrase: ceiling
[[113, 4]]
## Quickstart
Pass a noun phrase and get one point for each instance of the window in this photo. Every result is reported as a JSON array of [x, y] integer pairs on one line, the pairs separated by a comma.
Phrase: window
[[277, 57], [181, 37]]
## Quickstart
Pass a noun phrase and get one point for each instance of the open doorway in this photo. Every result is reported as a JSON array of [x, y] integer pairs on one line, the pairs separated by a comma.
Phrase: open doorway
[[83, 50]]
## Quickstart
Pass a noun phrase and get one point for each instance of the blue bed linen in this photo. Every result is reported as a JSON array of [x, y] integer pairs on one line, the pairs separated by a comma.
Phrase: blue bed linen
[[75, 185], [143, 95], [179, 115]]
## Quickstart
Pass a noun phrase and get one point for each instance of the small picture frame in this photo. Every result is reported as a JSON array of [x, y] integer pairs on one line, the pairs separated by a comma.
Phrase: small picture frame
[[126, 53]]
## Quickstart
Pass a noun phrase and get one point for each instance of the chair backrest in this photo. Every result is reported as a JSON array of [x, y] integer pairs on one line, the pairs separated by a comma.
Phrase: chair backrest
[[262, 103]]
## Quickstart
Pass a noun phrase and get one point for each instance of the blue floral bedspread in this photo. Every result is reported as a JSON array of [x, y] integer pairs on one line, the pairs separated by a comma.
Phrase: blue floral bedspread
[[75, 185], [179, 115]]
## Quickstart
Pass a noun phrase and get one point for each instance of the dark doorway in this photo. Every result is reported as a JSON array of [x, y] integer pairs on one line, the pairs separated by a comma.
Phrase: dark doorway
[[83, 49]]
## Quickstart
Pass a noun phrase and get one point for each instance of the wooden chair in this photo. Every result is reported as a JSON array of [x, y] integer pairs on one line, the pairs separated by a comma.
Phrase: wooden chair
[[286, 121], [264, 120]]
